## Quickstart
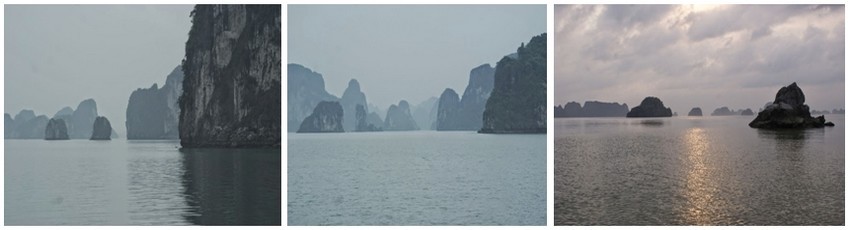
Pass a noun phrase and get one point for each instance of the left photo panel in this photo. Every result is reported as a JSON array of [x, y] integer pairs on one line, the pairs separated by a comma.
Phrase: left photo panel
[[142, 115]]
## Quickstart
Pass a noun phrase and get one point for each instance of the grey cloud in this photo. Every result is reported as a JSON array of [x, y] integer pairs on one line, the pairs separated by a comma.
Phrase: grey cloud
[[732, 55]]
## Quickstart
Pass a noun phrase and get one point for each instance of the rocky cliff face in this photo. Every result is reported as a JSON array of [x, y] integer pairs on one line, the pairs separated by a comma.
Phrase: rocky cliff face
[[788, 111], [399, 119], [56, 130], [305, 89], [517, 103], [467, 113], [650, 107], [82, 120], [447, 110], [363, 121], [8, 122], [25, 125], [351, 98], [153, 113], [231, 88], [101, 130], [696, 111], [326, 118], [475, 97]]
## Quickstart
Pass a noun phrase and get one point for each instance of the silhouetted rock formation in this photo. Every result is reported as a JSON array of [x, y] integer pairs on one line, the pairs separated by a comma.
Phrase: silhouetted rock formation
[[425, 113], [231, 88], [8, 123], [56, 130], [153, 113], [305, 89], [592, 109], [788, 111], [65, 111], [326, 118], [466, 113], [517, 103], [25, 125], [571, 109], [814, 111], [724, 111], [695, 112], [82, 120], [362, 119], [650, 107], [101, 130], [747, 112], [351, 98], [447, 109], [399, 118], [837, 111]]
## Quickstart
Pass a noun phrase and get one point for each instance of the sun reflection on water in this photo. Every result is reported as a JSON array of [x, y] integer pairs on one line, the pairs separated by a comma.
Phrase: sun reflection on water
[[698, 189]]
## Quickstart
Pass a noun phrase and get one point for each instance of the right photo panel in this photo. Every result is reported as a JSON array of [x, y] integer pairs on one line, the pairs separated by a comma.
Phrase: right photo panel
[[699, 114]]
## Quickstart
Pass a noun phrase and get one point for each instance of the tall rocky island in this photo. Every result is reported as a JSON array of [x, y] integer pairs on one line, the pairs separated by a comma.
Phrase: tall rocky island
[[650, 107], [152, 113], [304, 89], [326, 118], [788, 111], [101, 130], [517, 103], [399, 118], [466, 113], [56, 130], [695, 112], [231, 88], [78, 123]]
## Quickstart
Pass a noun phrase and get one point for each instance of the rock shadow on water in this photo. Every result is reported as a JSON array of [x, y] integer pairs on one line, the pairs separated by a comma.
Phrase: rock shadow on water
[[650, 123], [232, 186]]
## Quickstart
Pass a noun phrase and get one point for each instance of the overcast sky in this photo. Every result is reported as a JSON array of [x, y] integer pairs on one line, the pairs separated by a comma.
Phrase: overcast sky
[[699, 56], [408, 52], [59, 55]]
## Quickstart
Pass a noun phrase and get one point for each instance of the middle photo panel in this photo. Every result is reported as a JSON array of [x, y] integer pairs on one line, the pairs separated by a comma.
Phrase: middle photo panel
[[416, 115]]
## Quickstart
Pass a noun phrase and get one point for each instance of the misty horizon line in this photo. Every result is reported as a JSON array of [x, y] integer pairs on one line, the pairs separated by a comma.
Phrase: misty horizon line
[[363, 88]]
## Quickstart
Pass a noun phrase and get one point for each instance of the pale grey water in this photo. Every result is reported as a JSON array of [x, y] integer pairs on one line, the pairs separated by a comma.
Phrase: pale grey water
[[416, 178], [696, 171], [120, 182]]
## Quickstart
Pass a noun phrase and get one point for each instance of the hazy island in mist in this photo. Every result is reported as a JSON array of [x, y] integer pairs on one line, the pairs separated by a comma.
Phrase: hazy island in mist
[[518, 81]]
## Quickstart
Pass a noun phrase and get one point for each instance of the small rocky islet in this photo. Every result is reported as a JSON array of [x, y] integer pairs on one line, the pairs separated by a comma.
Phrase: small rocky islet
[[788, 111], [650, 107]]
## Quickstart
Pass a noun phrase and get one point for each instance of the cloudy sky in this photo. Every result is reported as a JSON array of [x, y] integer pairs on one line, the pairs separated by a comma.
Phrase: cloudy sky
[[699, 56], [59, 55], [406, 52]]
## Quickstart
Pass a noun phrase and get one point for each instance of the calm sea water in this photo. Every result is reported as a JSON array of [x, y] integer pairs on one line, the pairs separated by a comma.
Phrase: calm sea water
[[416, 178], [697, 171], [120, 182]]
